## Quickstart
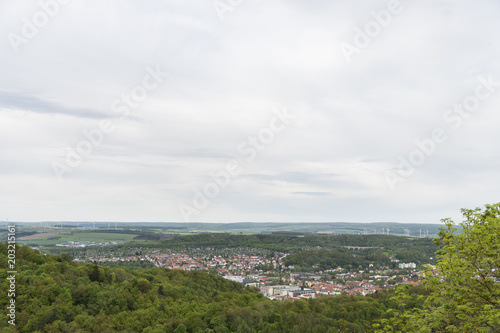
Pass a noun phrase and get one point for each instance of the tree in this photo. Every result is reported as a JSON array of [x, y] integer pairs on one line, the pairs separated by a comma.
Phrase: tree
[[469, 268], [181, 329], [161, 291], [465, 284], [94, 276], [156, 329]]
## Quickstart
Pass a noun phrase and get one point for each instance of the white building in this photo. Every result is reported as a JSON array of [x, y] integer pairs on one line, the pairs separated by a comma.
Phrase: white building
[[408, 265]]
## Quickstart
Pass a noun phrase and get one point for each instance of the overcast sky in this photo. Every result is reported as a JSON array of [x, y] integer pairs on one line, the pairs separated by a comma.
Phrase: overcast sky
[[315, 108]]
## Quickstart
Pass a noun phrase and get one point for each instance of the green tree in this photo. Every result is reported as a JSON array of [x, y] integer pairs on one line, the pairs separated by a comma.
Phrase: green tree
[[465, 289], [181, 329], [161, 291], [94, 276], [156, 329]]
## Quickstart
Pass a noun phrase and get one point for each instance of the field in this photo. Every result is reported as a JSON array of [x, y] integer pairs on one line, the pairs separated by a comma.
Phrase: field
[[52, 233], [56, 238], [40, 235]]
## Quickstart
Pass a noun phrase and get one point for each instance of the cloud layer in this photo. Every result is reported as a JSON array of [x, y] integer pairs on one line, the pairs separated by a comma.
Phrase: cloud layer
[[231, 67]]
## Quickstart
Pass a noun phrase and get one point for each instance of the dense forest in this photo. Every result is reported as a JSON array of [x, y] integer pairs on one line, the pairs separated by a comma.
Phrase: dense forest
[[325, 259], [418, 250], [291, 242]]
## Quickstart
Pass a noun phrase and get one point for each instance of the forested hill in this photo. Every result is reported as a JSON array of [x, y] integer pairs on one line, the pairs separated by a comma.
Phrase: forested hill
[[380, 247], [55, 294], [290, 242]]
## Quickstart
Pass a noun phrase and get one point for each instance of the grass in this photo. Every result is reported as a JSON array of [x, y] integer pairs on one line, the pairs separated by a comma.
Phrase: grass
[[81, 236]]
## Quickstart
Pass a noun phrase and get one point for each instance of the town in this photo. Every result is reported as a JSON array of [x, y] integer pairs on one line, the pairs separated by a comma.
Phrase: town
[[272, 277]]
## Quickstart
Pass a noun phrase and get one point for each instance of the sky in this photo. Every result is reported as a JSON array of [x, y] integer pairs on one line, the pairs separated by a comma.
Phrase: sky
[[237, 110]]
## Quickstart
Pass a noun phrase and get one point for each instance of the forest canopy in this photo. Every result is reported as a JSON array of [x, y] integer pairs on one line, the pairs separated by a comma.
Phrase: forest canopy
[[465, 284]]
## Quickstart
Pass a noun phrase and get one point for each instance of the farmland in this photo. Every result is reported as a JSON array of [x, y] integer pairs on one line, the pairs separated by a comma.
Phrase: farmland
[[53, 238]]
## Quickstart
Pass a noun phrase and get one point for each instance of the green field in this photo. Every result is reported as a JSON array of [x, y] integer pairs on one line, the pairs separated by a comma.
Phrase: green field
[[80, 236]]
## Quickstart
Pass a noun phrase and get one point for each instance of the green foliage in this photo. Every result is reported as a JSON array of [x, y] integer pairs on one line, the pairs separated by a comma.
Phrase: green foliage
[[279, 242], [94, 276], [181, 329], [138, 264], [466, 287], [326, 259]]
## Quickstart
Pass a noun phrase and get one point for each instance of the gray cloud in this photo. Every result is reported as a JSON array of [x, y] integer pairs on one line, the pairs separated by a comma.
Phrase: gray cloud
[[32, 103], [294, 177], [313, 194], [354, 120]]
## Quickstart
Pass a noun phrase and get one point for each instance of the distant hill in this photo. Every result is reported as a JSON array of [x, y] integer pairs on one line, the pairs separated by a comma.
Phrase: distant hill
[[391, 228]]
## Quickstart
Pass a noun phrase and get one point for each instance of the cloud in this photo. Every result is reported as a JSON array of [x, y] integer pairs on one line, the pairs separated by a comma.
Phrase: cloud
[[313, 194], [32, 103], [354, 120]]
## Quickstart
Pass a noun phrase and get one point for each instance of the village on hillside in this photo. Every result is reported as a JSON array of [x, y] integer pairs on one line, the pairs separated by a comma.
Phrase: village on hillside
[[274, 279]]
